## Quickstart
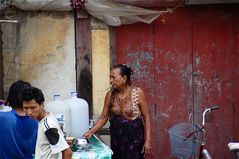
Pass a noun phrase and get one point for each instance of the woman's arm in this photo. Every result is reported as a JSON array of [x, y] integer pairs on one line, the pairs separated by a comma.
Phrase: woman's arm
[[147, 124], [2, 102], [67, 154], [103, 118]]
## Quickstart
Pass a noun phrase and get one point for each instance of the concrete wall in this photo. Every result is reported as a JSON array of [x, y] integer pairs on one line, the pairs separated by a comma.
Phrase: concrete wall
[[41, 50]]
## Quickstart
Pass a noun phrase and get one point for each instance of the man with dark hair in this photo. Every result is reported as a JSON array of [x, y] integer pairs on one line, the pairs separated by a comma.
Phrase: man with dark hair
[[18, 132], [51, 143]]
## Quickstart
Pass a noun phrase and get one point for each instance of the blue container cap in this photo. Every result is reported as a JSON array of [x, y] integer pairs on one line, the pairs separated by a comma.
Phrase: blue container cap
[[56, 96], [73, 94]]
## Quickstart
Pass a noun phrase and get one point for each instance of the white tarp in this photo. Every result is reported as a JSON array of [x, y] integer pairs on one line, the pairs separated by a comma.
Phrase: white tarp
[[48, 5], [110, 12], [116, 14]]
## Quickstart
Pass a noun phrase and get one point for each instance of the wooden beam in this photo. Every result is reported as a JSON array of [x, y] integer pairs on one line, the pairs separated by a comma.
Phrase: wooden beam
[[151, 3], [188, 2], [1, 66]]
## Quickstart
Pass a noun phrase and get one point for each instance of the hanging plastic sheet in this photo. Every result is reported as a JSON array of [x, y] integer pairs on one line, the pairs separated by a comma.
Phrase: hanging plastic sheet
[[116, 14], [48, 5], [110, 12]]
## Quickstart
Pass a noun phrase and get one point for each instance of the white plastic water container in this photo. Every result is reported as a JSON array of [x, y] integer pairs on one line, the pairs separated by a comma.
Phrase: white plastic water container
[[61, 110], [79, 115], [4, 108]]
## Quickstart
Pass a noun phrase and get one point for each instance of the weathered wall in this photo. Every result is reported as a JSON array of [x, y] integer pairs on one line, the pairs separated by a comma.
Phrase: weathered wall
[[41, 50], [100, 68]]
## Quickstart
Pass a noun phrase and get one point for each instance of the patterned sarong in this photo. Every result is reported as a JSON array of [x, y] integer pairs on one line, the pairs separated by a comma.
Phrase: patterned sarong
[[127, 138]]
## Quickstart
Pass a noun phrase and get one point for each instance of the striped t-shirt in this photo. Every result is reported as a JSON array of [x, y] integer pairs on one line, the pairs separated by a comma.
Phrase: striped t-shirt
[[50, 139]]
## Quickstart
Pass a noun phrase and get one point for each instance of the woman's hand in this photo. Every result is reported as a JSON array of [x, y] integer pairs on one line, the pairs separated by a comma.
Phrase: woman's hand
[[2, 102], [147, 148], [87, 135]]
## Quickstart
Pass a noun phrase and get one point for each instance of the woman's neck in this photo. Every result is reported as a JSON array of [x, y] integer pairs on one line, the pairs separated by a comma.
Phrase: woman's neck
[[124, 89]]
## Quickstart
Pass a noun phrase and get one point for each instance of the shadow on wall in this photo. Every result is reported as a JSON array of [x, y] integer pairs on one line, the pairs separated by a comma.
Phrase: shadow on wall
[[85, 85]]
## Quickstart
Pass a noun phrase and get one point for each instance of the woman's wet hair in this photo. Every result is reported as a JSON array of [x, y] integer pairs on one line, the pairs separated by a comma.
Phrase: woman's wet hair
[[14, 93], [124, 71]]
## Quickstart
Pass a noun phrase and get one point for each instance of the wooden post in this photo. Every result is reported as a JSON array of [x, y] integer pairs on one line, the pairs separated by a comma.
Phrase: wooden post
[[84, 61], [1, 66]]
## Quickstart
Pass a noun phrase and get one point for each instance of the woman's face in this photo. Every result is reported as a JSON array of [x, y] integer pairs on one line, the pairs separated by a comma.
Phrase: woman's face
[[116, 79]]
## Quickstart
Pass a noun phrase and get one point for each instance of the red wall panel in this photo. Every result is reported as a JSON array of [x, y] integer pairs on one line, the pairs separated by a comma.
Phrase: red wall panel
[[213, 55], [184, 64], [236, 72], [173, 67], [135, 47]]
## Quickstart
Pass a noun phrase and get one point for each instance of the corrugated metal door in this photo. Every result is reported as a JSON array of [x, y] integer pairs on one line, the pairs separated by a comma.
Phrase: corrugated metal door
[[185, 64]]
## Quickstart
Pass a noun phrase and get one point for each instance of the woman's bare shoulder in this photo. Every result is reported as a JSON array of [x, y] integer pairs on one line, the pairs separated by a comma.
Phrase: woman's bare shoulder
[[108, 94], [139, 89]]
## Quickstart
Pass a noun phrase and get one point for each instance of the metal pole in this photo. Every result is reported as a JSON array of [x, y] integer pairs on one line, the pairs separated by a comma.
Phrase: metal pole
[[8, 21]]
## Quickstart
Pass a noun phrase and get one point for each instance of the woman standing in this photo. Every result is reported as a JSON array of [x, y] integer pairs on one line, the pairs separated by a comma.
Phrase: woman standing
[[126, 107]]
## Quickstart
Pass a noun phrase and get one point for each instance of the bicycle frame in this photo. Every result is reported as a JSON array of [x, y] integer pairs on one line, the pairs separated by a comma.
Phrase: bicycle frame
[[187, 140], [204, 154]]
